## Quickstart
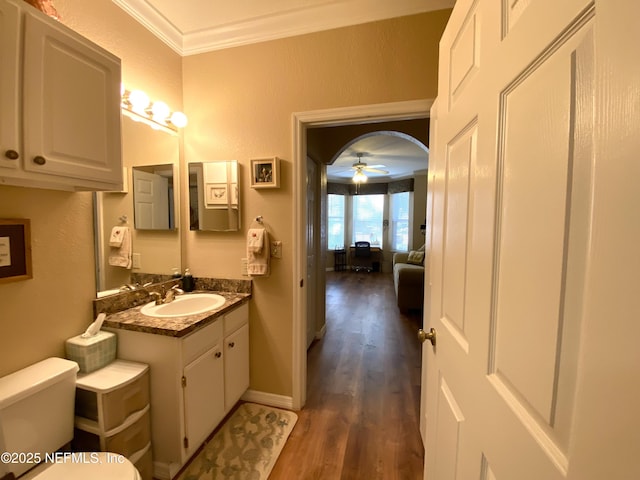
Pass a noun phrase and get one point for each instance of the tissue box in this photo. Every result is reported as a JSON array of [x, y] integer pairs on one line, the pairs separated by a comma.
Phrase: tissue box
[[91, 353]]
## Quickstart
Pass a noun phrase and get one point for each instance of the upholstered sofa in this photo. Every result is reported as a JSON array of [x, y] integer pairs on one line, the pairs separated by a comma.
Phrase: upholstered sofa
[[408, 279]]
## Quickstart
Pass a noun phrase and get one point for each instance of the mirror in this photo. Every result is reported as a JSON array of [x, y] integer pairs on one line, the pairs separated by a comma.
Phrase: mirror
[[153, 197], [155, 252], [214, 197]]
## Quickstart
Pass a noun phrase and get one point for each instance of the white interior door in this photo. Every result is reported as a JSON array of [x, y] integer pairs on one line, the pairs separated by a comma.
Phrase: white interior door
[[519, 194], [151, 200]]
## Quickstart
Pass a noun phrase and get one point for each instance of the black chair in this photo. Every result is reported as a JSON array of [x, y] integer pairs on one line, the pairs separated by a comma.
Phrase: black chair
[[362, 256]]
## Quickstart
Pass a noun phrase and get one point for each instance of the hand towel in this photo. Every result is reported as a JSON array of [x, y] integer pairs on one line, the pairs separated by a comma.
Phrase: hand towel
[[258, 262], [121, 256], [255, 239], [117, 234]]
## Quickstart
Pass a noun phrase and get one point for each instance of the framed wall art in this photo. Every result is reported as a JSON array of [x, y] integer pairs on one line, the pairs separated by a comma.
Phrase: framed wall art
[[265, 173], [15, 249]]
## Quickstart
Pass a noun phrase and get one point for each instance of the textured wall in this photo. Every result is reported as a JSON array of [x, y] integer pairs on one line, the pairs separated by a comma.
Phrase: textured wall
[[37, 315], [240, 103]]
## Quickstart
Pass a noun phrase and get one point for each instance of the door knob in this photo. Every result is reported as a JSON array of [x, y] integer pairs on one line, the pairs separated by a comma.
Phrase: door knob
[[430, 335], [39, 160]]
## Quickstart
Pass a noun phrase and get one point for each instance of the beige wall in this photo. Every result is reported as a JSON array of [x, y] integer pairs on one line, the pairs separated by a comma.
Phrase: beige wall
[[37, 315], [240, 103]]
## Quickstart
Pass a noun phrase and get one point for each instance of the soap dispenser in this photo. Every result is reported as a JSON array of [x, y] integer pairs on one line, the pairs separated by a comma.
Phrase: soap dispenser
[[188, 284]]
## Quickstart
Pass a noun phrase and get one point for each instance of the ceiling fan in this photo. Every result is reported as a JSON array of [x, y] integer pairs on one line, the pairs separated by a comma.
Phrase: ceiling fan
[[360, 167]]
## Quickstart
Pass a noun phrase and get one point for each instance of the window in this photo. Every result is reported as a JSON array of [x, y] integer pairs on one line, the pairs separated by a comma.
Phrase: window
[[367, 218], [335, 207], [399, 213]]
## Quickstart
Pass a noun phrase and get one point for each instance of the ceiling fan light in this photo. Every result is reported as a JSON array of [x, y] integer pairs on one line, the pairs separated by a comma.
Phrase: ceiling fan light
[[359, 177]]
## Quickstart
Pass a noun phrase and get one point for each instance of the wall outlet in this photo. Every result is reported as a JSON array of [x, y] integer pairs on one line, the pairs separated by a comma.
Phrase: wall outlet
[[136, 260], [276, 249]]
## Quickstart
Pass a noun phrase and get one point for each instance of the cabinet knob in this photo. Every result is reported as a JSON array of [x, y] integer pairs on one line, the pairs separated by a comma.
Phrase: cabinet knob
[[39, 160], [232, 344], [12, 154], [218, 354]]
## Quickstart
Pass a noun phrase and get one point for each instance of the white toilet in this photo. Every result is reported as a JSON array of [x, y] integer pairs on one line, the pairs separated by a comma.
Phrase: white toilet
[[36, 419]]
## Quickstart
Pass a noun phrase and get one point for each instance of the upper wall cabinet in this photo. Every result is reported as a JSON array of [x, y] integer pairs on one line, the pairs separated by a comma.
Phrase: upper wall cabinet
[[59, 105]]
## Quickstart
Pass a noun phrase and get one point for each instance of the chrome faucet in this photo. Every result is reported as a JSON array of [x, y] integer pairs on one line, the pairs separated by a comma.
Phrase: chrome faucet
[[171, 294], [167, 297]]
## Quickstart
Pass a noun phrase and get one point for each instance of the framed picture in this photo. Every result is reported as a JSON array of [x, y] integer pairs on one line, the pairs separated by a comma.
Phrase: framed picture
[[15, 249], [265, 173], [216, 194]]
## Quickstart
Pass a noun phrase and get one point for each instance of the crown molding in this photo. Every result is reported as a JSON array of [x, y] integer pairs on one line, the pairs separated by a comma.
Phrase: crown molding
[[271, 27]]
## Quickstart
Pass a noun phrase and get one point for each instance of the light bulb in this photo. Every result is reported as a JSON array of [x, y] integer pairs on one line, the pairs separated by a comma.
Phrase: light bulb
[[179, 119], [160, 111], [139, 101], [359, 177]]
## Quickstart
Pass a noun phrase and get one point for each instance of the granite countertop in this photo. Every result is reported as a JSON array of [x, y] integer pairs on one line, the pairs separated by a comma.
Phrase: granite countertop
[[132, 319]]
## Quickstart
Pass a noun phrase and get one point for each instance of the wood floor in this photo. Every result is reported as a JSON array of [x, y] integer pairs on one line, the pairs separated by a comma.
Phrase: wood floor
[[363, 398]]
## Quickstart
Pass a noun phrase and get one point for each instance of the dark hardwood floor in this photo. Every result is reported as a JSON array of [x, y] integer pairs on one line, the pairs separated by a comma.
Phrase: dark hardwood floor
[[361, 420]]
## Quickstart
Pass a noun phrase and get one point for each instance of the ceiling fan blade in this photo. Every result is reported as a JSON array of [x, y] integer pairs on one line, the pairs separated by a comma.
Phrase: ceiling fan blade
[[374, 166], [375, 170]]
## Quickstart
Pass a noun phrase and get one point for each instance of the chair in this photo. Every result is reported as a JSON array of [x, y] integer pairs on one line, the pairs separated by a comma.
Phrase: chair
[[362, 256]]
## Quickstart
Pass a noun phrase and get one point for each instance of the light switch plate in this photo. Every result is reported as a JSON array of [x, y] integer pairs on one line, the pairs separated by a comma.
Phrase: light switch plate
[[136, 260]]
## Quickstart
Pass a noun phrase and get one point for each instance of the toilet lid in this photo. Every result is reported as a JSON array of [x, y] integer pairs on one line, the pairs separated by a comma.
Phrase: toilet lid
[[86, 465]]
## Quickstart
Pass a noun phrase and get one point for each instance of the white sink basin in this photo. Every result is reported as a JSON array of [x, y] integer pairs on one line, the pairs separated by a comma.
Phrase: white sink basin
[[187, 304]]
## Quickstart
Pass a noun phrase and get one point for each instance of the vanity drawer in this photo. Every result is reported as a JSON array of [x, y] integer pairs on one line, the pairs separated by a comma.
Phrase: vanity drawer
[[198, 342], [236, 318]]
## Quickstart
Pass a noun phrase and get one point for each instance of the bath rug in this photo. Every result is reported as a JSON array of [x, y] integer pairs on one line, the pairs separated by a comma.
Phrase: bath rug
[[245, 448]]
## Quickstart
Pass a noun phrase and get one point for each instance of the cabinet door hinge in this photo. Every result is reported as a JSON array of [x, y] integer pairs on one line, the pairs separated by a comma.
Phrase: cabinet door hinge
[[185, 441], [184, 382]]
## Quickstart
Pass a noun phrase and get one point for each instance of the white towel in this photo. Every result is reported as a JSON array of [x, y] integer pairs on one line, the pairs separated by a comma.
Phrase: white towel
[[258, 262], [121, 256], [255, 239], [117, 235]]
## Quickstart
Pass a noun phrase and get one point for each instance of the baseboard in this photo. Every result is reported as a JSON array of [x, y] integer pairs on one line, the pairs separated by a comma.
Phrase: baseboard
[[270, 399], [321, 333], [165, 471]]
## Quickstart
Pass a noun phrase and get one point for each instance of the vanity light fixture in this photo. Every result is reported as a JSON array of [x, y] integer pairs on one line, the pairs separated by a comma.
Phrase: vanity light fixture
[[137, 105]]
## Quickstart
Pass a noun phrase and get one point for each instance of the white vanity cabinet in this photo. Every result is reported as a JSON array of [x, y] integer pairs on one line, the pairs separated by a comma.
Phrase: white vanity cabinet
[[59, 105], [236, 357], [195, 381]]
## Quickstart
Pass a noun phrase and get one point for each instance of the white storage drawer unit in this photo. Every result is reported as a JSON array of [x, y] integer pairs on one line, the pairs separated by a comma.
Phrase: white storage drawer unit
[[113, 413]]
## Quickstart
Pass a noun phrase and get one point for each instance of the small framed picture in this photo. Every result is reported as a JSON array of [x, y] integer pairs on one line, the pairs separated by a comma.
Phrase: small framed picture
[[265, 173], [15, 249]]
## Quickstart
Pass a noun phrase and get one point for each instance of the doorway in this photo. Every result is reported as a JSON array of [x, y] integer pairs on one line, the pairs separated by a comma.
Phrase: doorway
[[302, 121]]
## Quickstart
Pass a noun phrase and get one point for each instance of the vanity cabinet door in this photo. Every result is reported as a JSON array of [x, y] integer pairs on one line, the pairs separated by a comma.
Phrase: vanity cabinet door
[[236, 366], [59, 105], [71, 105], [203, 397], [9, 81]]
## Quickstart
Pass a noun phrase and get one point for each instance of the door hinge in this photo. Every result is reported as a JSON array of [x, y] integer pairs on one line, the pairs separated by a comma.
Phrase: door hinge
[[184, 382], [302, 283], [185, 441]]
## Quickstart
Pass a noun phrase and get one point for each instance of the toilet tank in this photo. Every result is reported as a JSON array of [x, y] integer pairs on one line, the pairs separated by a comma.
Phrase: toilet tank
[[36, 409]]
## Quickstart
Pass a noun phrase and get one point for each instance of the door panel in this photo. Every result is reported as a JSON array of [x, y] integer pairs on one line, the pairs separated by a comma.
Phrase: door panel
[[510, 192], [541, 239]]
